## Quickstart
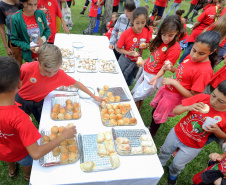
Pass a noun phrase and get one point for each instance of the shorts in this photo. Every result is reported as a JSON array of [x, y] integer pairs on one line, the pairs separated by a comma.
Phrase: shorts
[[160, 10], [27, 161]]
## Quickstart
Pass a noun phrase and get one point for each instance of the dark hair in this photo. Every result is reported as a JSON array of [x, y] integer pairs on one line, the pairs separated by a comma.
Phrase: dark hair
[[183, 30], [9, 74], [169, 24], [130, 5], [154, 11], [222, 87], [140, 11], [212, 38], [20, 6], [180, 12]]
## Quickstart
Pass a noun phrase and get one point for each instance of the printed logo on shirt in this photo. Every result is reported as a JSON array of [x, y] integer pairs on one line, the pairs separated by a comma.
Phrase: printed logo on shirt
[[49, 4], [185, 61], [39, 19], [33, 80], [218, 118], [5, 135], [164, 48], [135, 39]]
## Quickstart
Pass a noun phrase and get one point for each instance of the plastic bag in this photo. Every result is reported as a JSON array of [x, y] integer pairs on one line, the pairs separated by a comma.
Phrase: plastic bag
[[66, 13]]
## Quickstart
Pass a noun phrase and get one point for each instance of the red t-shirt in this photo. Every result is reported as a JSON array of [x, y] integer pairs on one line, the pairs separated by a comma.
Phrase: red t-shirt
[[32, 28], [177, 1], [36, 87], [208, 5], [52, 10], [205, 19], [194, 2], [218, 77], [152, 18], [192, 75], [16, 132], [189, 129], [93, 9], [158, 57], [116, 2], [108, 34], [110, 23], [131, 40], [161, 3]]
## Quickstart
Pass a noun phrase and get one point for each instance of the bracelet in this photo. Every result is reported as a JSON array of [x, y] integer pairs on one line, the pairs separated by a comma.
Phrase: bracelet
[[61, 137]]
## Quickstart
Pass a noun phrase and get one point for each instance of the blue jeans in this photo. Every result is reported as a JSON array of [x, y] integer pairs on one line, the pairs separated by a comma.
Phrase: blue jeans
[[27, 161], [174, 5], [186, 51]]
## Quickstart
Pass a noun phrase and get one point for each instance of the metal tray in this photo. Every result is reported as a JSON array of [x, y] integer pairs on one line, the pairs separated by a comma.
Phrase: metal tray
[[117, 91], [61, 99], [68, 65], [83, 95], [68, 88], [82, 69], [88, 149], [50, 160], [134, 136], [65, 54], [102, 66], [129, 114]]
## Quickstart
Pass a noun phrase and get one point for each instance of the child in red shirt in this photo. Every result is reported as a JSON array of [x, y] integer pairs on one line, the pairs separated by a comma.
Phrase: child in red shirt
[[18, 135], [41, 77], [164, 47], [189, 135], [51, 9], [191, 78], [130, 42]]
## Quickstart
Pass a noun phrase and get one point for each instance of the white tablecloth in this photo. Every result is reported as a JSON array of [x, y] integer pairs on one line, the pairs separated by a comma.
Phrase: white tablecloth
[[134, 170]]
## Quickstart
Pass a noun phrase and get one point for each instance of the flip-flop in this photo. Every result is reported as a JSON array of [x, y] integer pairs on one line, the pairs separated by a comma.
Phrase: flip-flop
[[26, 178], [11, 175]]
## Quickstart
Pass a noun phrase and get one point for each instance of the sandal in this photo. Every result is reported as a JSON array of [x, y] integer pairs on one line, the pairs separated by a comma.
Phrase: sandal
[[11, 175], [26, 178]]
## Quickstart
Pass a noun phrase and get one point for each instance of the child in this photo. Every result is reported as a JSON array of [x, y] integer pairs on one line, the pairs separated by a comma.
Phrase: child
[[109, 32], [189, 135], [25, 24], [164, 47], [129, 44], [175, 5], [160, 5], [214, 173], [114, 17], [18, 141], [92, 17], [51, 9], [190, 79], [41, 77]]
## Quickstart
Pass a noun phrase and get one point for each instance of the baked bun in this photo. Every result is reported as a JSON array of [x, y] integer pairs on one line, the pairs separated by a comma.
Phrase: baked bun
[[60, 116], [62, 110], [115, 106], [142, 45], [121, 105], [133, 121], [100, 137], [136, 150], [72, 157], [64, 158], [101, 92], [109, 94], [76, 105], [108, 135], [56, 151], [71, 141], [67, 116], [70, 125], [101, 150], [105, 117], [107, 99], [123, 111], [117, 98], [118, 111], [113, 116], [103, 104], [205, 110], [120, 122], [114, 159], [111, 111], [119, 116], [104, 111], [122, 140], [55, 129], [149, 150], [73, 148], [63, 143], [145, 138], [68, 102], [61, 128], [57, 106], [113, 122], [106, 87], [127, 106], [88, 166], [75, 116], [64, 149], [45, 139], [56, 110], [52, 136], [109, 106], [54, 115], [111, 99], [126, 121], [69, 107]]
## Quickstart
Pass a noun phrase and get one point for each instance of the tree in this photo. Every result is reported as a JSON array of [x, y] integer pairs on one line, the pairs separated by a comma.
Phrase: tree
[[107, 12]]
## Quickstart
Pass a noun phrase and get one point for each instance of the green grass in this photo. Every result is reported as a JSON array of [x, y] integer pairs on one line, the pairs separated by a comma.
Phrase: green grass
[[196, 165]]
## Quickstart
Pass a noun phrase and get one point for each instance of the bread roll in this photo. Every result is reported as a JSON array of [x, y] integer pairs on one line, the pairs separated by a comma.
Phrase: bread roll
[[106, 87], [69, 107], [61, 128], [114, 159], [64, 158], [205, 110], [52, 136], [45, 139], [117, 98], [64, 142], [56, 151], [113, 116], [73, 148], [100, 137], [54, 116], [67, 116], [64, 149], [68, 102], [57, 106], [101, 92], [62, 110], [133, 121], [88, 166], [71, 141], [109, 106], [56, 110], [113, 122], [72, 157], [109, 94], [111, 111]]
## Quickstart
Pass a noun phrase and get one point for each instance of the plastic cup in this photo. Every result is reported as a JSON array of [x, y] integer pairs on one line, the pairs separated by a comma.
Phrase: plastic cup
[[34, 37], [208, 122]]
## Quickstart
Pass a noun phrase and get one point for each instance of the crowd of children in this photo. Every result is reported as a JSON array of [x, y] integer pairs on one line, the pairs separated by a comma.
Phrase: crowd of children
[[192, 86]]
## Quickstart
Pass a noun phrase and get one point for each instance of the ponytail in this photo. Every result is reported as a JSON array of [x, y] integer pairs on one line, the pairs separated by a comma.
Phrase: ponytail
[[220, 9]]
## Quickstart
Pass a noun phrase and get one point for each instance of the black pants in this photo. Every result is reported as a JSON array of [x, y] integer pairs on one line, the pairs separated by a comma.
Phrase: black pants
[[69, 3], [115, 9]]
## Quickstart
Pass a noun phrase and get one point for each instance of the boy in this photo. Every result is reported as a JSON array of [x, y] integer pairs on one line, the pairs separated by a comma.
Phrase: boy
[[18, 135], [188, 135], [41, 77], [92, 16]]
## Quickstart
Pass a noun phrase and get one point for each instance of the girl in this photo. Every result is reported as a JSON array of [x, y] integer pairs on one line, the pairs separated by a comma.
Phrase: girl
[[163, 47], [190, 79], [27, 25], [129, 44], [203, 21], [175, 5]]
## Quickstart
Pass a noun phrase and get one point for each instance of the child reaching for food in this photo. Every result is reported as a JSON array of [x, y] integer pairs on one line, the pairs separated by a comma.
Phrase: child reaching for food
[[164, 47], [133, 41], [192, 131], [191, 78], [41, 77], [18, 135]]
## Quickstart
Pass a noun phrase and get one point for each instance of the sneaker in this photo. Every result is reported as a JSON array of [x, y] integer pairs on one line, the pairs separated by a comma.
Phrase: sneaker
[[172, 182], [82, 12]]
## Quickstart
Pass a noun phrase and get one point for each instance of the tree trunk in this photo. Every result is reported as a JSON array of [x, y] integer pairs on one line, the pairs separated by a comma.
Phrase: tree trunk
[[107, 12]]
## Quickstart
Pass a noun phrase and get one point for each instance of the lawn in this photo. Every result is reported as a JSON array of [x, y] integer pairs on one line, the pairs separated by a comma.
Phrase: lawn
[[199, 163]]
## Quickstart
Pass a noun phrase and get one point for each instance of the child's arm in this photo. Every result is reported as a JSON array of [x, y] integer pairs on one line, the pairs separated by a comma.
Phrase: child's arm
[[37, 151], [129, 53], [217, 157], [80, 86], [216, 130], [180, 109], [64, 25]]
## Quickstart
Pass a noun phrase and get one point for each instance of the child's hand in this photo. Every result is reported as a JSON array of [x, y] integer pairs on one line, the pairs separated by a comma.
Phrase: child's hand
[[33, 50], [111, 47], [168, 81], [99, 99], [213, 128], [167, 66], [133, 54], [40, 42], [215, 157], [153, 82], [69, 133], [66, 29], [43, 9], [196, 106]]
